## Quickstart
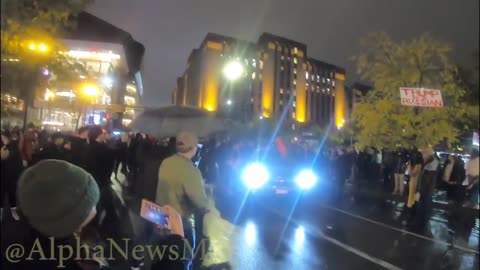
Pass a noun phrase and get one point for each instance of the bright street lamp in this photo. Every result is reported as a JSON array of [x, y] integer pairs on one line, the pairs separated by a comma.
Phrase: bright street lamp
[[38, 47], [229, 102], [233, 70], [90, 90]]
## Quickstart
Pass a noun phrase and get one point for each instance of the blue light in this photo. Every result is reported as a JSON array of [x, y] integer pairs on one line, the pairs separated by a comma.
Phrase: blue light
[[299, 236], [306, 179], [250, 234], [255, 176]]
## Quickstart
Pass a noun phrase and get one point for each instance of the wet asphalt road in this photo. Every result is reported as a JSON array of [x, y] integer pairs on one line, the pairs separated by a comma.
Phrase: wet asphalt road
[[308, 232]]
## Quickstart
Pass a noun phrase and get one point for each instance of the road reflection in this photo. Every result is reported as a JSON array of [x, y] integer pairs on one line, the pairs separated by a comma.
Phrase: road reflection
[[250, 234]]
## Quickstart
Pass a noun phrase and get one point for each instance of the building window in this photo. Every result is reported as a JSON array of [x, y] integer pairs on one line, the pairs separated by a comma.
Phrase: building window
[[253, 64], [333, 83], [281, 90], [306, 74], [323, 80], [293, 115], [294, 82], [281, 102], [261, 64], [253, 76], [282, 68], [282, 57], [294, 71], [294, 104], [295, 50], [328, 80], [306, 85], [295, 60]]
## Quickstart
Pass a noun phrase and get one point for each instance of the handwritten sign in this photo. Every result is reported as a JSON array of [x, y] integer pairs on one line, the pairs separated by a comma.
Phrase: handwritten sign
[[420, 97]]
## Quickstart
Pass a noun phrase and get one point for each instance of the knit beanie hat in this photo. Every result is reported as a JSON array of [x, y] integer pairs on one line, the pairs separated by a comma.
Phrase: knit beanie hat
[[56, 197]]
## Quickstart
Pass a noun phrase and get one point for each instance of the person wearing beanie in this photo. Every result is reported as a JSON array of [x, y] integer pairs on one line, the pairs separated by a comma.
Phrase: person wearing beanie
[[56, 200]]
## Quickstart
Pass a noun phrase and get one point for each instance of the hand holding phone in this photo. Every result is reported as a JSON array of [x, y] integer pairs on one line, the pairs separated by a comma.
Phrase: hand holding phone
[[166, 217], [153, 213]]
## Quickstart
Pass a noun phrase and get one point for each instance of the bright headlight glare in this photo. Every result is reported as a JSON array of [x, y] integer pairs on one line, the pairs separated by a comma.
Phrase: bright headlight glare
[[255, 176], [306, 179]]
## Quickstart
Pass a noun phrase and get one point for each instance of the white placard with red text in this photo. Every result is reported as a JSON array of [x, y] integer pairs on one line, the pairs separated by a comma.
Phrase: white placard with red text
[[421, 97]]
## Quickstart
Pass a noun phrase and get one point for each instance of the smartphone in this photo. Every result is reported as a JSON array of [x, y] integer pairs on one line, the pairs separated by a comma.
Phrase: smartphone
[[153, 213]]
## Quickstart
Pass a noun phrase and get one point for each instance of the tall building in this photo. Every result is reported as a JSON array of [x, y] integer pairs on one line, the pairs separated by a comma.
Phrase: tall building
[[276, 77], [109, 88]]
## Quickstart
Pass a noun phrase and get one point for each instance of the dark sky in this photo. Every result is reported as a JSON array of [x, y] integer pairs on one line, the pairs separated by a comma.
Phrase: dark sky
[[170, 29]]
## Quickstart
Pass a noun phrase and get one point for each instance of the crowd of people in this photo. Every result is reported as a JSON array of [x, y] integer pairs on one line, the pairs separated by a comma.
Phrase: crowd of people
[[49, 174], [59, 185]]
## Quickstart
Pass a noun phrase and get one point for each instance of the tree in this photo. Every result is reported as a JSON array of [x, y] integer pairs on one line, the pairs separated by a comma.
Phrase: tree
[[380, 120], [30, 34]]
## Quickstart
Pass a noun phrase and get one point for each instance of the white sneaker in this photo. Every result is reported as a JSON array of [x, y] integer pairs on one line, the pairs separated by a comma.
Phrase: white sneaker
[[15, 214]]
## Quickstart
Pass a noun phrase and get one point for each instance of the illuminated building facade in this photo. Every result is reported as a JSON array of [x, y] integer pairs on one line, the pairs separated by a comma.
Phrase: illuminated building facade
[[109, 90], [276, 77]]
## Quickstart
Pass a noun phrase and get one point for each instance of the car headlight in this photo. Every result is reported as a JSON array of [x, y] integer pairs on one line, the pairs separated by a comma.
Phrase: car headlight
[[255, 176], [306, 179]]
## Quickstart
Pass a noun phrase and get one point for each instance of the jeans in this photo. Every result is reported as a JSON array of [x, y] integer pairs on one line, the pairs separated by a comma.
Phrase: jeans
[[474, 194]]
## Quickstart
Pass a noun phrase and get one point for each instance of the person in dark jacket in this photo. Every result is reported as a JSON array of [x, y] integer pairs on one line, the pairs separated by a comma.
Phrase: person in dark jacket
[[79, 145], [56, 204], [121, 152], [11, 167], [400, 166], [99, 163], [55, 149]]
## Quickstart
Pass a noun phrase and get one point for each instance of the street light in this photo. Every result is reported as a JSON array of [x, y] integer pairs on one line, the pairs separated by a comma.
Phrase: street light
[[90, 90], [229, 102], [233, 70], [38, 47]]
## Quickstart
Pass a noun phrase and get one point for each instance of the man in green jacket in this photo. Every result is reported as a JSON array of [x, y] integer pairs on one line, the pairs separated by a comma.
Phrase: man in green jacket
[[180, 185]]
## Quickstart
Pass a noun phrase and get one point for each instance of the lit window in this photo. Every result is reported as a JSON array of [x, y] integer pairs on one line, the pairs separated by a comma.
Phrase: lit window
[[295, 60], [281, 91], [307, 84], [281, 68], [254, 64], [328, 80], [246, 62], [261, 64], [294, 103], [253, 76], [323, 80], [306, 75], [260, 76], [323, 90], [282, 57], [294, 82], [333, 83], [293, 114], [328, 89], [295, 50], [294, 71], [281, 102], [333, 94], [293, 126]]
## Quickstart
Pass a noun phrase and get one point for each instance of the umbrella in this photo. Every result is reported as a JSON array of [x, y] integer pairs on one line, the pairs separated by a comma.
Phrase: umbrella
[[168, 121]]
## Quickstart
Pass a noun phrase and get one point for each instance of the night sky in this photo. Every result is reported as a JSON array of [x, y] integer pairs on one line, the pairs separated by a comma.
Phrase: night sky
[[331, 29]]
